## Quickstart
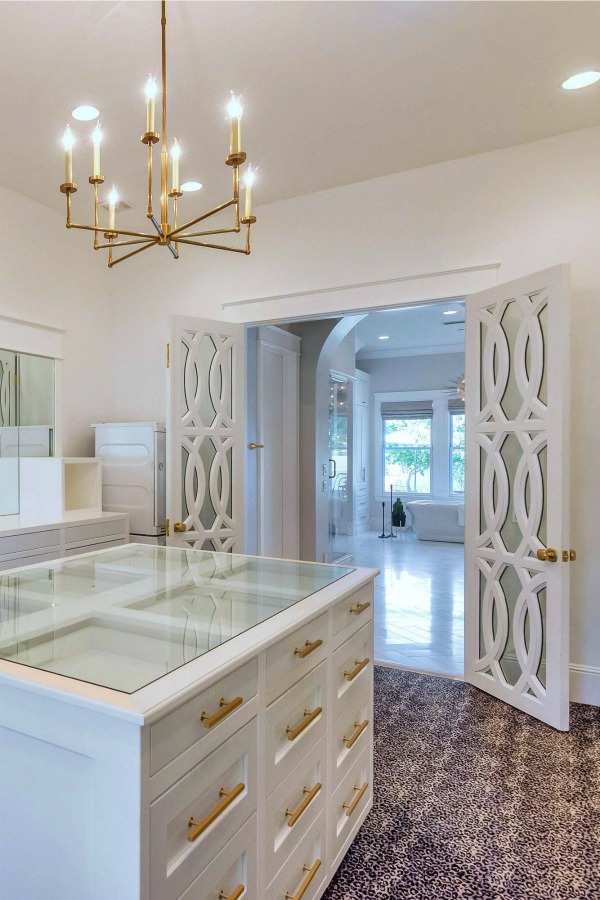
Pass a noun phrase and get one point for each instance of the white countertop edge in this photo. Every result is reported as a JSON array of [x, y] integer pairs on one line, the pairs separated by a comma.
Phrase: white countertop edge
[[11, 525], [149, 703]]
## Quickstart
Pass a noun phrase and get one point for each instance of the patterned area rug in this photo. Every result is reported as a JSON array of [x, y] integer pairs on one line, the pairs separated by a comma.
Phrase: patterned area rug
[[475, 800]]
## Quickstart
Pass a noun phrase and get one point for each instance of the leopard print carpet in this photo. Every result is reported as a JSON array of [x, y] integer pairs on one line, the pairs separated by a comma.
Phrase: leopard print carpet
[[475, 800]]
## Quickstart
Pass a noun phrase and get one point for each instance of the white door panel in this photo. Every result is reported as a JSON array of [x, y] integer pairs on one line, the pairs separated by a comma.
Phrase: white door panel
[[517, 500]]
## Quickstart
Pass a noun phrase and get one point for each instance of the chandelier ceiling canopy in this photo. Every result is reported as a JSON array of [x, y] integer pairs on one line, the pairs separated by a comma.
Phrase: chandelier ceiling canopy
[[168, 233]]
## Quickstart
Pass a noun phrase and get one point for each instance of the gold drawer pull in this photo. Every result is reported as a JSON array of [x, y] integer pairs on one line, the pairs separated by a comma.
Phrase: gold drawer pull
[[308, 648], [350, 742], [226, 707], [235, 895], [311, 871], [360, 607], [196, 827], [350, 807], [309, 717], [295, 814], [359, 667]]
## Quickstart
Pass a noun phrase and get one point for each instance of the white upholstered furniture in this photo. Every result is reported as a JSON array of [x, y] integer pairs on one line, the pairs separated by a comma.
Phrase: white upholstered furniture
[[436, 521], [177, 724]]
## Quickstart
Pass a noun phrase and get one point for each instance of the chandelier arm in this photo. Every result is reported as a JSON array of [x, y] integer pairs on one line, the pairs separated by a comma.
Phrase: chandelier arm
[[113, 262], [116, 231], [194, 234], [236, 195], [156, 225], [212, 246], [205, 216], [148, 240], [150, 179]]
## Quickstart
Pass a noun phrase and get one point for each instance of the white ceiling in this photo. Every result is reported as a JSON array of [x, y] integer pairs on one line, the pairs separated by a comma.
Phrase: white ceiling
[[412, 329], [334, 92]]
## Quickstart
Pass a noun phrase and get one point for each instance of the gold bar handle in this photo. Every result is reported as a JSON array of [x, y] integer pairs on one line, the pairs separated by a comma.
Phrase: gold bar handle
[[310, 794], [311, 871], [350, 807], [350, 742], [235, 895], [309, 646], [226, 708], [309, 717], [360, 665], [196, 827], [359, 608]]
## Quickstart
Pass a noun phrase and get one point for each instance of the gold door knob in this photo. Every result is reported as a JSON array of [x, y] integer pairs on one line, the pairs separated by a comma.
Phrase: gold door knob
[[255, 446], [179, 527], [548, 555]]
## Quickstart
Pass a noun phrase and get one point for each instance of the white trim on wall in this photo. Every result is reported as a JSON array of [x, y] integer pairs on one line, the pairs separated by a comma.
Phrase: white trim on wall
[[441, 350]]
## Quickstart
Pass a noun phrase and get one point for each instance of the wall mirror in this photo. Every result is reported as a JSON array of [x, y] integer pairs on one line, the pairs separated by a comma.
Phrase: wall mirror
[[27, 423]]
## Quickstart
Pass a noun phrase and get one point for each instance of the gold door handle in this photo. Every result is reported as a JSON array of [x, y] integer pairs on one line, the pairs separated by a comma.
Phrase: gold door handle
[[235, 894], [359, 608], [311, 871], [179, 527], [548, 555], [350, 807], [309, 717], [360, 664], [350, 742], [295, 814], [226, 707], [308, 648], [196, 827], [253, 446]]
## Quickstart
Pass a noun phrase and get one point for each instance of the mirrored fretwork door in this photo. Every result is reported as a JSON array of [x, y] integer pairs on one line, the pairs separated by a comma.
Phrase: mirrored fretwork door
[[205, 424], [517, 551]]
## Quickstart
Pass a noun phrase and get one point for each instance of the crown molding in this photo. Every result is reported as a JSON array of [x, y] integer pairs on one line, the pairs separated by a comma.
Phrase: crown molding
[[439, 350]]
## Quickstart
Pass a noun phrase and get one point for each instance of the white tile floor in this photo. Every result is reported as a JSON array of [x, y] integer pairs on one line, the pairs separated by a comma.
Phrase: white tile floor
[[419, 601]]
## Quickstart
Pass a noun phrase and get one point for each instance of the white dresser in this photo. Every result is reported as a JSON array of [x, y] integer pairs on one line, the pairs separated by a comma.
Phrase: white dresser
[[225, 748]]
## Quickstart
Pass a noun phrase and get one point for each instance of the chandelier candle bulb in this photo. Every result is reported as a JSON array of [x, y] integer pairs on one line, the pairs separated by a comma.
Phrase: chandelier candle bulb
[[112, 202], [68, 141], [175, 154], [150, 99], [248, 182], [97, 139], [235, 121]]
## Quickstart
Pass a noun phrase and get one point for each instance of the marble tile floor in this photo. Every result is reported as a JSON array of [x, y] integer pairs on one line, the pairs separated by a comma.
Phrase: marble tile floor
[[419, 602]]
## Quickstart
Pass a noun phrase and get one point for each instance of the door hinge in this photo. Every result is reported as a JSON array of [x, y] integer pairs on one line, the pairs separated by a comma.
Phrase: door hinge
[[168, 356], [167, 528]]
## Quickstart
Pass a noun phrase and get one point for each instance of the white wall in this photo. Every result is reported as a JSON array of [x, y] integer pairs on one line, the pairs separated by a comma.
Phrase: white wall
[[53, 277], [526, 208], [413, 373]]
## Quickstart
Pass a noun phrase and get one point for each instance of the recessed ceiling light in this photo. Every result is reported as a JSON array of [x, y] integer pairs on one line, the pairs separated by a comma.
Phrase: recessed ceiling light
[[583, 79], [189, 186], [85, 113], [384, 337], [451, 312]]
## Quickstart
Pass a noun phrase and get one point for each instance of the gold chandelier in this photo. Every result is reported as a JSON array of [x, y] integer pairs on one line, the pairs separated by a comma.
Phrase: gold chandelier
[[166, 235]]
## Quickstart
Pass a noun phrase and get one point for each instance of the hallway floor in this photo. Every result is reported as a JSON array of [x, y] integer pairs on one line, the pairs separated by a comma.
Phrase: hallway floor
[[419, 601]]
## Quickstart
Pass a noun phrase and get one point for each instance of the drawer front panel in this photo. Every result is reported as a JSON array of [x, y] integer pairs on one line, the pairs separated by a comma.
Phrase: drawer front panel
[[88, 548], [294, 656], [294, 805], [306, 867], [350, 733], [353, 612], [31, 560], [352, 666], [78, 533], [35, 540], [349, 803], [203, 715], [295, 723], [209, 805], [234, 868]]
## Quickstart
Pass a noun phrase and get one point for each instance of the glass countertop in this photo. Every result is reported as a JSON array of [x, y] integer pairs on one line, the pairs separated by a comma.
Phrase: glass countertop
[[122, 618]]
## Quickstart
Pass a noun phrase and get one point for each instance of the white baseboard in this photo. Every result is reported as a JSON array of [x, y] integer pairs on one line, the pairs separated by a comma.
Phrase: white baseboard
[[584, 684]]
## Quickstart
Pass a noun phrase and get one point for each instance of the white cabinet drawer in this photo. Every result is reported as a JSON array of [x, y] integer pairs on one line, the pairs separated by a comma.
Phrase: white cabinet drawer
[[352, 666], [296, 655], [192, 822], [33, 540], [295, 723], [16, 562], [349, 803], [89, 548], [306, 867], [77, 534], [218, 710], [233, 870], [352, 731], [294, 805], [353, 612]]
